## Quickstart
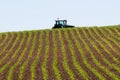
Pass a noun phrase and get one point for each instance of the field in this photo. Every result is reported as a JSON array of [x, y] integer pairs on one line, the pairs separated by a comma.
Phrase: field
[[61, 54]]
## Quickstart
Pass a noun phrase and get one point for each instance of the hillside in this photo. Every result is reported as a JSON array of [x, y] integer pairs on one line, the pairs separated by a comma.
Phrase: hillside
[[61, 54]]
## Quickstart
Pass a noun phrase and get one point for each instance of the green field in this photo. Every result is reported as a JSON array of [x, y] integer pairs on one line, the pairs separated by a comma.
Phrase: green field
[[87, 53]]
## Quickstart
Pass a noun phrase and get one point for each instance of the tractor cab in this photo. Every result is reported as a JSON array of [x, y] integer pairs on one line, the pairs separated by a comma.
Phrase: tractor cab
[[61, 24]]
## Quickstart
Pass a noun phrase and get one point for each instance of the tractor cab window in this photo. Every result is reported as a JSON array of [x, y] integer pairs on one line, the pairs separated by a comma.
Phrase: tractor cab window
[[61, 22]]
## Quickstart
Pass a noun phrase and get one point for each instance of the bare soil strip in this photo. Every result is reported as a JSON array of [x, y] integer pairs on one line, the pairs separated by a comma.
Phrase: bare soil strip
[[118, 29], [10, 53], [5, 72], [7, 38], [51, 75], [63, 38], [27, 72], [89, 58], [100, 59], [106, 56], [113, 35], [107, 46], [25, 56], [6, 45], [3, 37], [69, 56], [104, 52], [79, 58], [39, 75], [60, 58]]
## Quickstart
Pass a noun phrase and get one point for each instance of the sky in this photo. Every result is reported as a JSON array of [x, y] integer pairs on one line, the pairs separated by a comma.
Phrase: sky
[[19, 15]]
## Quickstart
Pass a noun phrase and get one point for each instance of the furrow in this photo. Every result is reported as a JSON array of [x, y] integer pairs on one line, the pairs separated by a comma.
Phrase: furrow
[[81, 72], [35, 62], [44, 64], [97, 63], [109, 40], [76, 43], [85, 58], [65, 58], [112, 36], [55, 60], [105, 60], [6, 46], [3, 37], [10, 50], [22, 51], [24, 71], [63, 72], [102, 47], [51, 73], [7, 59], [110, 50], [11, 62], [38, 69]]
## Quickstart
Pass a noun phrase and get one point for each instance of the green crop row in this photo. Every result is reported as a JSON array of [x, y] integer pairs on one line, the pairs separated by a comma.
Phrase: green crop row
[[35, 62], [55, 60], [65, 61], [31, 49], [9, 51], [107, 44], [44, 64], [6, 36], [7, 56], [75, 62], [97, 63], [96, 72], [6, 44], [10, 72], [115, 35], [100, 52], [106, 40]]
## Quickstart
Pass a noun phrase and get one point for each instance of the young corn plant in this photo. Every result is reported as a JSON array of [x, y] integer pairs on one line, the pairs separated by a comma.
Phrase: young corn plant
[[112, 75], [108, 44], [65, 62], [24, 65], [55, 60], [10, 73], [100, 52], [44, 65], [35, 62], [96, 72]]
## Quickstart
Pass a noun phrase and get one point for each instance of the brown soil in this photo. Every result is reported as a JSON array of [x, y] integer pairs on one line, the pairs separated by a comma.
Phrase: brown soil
[[42, 54], [2, 39], [63, 73], [24, 58], [5, 72], [69, 57], [89, 58], [102, 50], [107, 46], [6, 43], [13, 50], [79, 58], [100, 59]]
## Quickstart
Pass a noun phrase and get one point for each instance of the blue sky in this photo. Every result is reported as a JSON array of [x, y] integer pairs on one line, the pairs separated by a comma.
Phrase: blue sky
[[18, 15]]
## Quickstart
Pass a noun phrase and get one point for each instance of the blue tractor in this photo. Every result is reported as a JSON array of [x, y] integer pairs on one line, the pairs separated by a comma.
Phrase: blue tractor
[[61, 24]]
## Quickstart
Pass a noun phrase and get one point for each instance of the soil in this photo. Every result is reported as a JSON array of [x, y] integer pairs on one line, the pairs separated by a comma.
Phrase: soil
[[63, 72]]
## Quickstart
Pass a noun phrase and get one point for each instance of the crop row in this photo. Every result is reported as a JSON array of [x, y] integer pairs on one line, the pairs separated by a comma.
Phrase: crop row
[[85, 54]]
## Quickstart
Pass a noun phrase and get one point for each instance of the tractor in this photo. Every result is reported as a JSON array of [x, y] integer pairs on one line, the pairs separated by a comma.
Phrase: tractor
[[61, 24]]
